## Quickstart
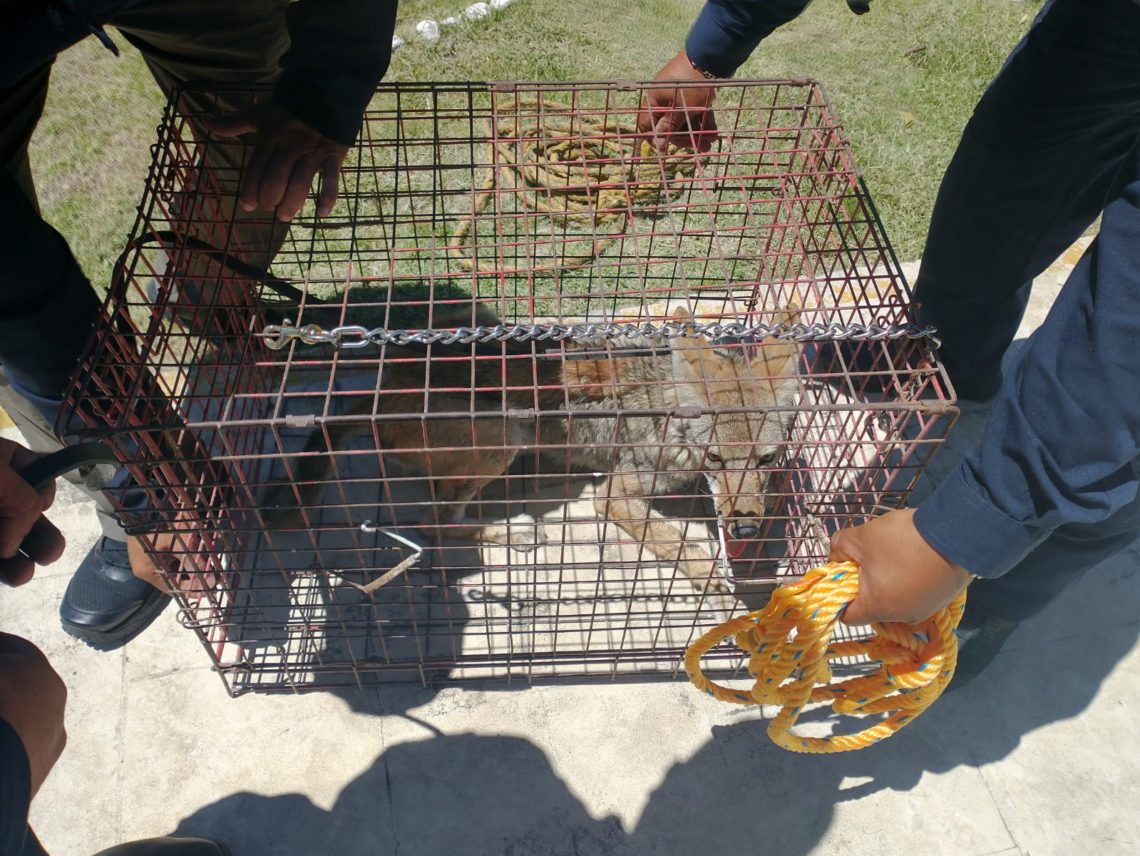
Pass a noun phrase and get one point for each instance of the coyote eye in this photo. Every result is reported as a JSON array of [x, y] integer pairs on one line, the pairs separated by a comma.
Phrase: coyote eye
[[715, 458], [768, 459]]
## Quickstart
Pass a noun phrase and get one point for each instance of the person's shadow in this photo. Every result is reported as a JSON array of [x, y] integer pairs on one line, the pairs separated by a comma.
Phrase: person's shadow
[[474, 794]]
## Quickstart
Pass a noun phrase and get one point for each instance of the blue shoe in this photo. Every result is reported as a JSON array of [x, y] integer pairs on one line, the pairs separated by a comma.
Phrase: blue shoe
[[105, 605]]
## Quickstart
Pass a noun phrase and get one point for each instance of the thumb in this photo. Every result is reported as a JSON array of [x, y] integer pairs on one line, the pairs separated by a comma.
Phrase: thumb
[[858, 612], [230, 126], [330, 175]]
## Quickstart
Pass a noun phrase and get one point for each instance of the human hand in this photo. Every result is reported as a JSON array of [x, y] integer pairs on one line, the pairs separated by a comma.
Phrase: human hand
[[678, 115], [176, 551], [32, 701], [286, 156], [143, 566], [901, 577], [27, 538]]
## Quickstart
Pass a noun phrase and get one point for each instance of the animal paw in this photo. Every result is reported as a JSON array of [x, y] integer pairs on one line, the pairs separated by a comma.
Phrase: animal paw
[[521, 533], [714, 585], [704, 574], [721, 606], [524, 534]]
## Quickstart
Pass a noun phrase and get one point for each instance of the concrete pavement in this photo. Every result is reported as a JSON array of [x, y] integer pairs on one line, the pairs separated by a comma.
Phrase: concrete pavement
[[1038, 756]]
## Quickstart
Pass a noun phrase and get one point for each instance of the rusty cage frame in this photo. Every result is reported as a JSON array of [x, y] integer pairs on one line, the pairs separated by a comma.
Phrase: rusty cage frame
[[466, 210]]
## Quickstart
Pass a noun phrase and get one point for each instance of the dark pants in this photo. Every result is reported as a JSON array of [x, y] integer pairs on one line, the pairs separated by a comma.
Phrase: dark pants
[[47, 304], [1053, 144]]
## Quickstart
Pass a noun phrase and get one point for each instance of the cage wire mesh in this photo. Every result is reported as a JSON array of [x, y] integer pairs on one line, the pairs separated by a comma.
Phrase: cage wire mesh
[[533, 401]]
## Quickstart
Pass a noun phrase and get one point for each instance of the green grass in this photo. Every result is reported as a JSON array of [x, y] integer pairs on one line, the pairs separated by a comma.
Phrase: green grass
[[903, 79]]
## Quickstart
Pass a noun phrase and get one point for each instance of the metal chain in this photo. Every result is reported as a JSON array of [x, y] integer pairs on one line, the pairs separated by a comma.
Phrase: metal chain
[[278, 336]]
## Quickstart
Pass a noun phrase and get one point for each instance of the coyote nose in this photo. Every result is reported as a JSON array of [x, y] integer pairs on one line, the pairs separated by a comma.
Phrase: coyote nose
[[744, 530]]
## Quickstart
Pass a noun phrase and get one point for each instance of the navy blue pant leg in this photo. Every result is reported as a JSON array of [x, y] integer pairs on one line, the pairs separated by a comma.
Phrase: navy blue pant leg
[[1056, 563], [1069, 553], [1052, 144], [1032, 172], [47, 305]]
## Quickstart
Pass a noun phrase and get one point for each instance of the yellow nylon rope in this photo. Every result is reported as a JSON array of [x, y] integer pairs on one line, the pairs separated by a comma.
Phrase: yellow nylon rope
[[579, 169], [916, 661]]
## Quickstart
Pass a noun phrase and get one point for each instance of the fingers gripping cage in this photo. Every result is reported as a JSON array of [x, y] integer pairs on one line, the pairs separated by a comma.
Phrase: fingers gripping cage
[[353, 475]]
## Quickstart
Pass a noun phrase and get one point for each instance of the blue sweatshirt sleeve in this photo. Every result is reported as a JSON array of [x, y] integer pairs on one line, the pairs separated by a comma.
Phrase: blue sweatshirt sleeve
[[727, 31], [1063, 439]]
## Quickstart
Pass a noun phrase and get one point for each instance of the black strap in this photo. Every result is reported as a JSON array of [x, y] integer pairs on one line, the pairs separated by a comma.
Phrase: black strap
[[174, 240], [40, 472]]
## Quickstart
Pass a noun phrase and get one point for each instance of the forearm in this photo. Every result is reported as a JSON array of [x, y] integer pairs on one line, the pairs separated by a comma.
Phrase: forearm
[[340, 51], [727, 31], [1064, 434]]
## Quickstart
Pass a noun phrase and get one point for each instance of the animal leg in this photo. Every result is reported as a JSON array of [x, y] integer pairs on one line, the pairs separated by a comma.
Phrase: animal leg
[[311, 473], [519, 533], [624, 501]]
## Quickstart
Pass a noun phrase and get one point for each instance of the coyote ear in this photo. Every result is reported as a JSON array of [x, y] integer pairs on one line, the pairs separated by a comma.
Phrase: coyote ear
[[686, 345], [777, 358], [688, 352]]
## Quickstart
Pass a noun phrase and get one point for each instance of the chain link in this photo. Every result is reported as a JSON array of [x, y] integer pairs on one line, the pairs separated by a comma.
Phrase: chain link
[[349, 337]]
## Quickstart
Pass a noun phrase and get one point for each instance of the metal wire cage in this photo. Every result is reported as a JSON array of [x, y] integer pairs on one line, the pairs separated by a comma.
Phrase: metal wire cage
[[535, 400]]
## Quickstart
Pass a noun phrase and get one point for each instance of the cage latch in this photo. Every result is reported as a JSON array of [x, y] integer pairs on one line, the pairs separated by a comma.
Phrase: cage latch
[[370, 528]]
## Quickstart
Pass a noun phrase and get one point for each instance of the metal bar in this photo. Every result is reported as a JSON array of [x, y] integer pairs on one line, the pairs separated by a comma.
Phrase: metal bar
[[603, 397]]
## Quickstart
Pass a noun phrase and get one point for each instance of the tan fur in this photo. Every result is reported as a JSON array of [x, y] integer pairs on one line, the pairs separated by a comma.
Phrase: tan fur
[[669, 452], [460, 455], [692, 386]]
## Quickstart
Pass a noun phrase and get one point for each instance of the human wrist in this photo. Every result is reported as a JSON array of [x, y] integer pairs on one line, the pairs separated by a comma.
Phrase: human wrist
[[902, 576], [703, 73]]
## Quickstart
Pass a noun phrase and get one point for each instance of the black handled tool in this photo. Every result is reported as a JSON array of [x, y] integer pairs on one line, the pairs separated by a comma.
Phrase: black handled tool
[[43, 470]]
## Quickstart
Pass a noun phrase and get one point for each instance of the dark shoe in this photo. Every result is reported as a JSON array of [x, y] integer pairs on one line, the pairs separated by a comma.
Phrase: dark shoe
[[105, 605], [981, 636], [168, 846]]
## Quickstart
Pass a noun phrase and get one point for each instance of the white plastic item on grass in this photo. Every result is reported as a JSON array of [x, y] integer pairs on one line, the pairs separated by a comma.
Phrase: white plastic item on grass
[[450, 21], [500, 4], [397, 42], [428, 30], [476, 11]]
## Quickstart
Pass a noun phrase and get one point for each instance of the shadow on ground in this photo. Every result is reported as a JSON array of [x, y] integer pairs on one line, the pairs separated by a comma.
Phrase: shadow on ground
[[475, 794]]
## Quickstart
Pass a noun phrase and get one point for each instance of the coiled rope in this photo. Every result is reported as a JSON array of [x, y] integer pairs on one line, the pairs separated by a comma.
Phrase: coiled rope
[[916, 661], [579, 169]]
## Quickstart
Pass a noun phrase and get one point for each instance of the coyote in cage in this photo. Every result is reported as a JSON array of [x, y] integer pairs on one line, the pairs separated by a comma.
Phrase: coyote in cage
[[656, 417]]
